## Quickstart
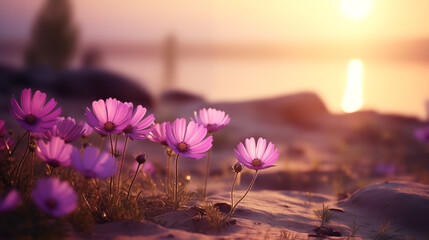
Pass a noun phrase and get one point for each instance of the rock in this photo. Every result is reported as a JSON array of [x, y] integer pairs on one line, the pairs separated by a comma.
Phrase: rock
[[97, 84], [402, 203], [179, 97]]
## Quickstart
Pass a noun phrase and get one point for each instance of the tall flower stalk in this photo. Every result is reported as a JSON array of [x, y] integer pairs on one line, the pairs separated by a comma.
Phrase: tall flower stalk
[[187, 140], [169, 154], [138, 127], [140, 159], [176, 191], [207, 175], [158, 135], [256, 156], [213, 120], [245, 194], [122, 162]]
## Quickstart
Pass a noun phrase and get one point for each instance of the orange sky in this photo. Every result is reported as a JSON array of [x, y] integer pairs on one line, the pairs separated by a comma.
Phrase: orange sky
[[243, 21], [224, 20]]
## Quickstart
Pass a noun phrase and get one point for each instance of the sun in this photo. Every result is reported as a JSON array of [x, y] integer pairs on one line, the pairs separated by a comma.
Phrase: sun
[[355, 9]]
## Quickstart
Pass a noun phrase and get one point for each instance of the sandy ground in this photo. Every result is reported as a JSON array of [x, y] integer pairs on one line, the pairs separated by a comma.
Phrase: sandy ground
[[327, 156], [269, 214]]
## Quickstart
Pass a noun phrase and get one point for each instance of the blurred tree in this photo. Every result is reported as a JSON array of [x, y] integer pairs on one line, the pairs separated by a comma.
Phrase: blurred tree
[[54, 37]]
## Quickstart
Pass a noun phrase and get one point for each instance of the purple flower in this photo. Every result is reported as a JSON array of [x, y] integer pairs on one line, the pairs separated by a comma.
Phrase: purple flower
[[148, 168], [92, 163], [212, 119], [66, 129], [86, 129], [10, 201], [3, 129], [33, 114], [158, 133], [422, 134], [55, 152], [256, 155], [188, 141], [110, 117], [138, 127], [54, 197]]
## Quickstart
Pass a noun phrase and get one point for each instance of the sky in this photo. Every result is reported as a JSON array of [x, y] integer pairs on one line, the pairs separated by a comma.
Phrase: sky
[[304, 22], [228, 21]]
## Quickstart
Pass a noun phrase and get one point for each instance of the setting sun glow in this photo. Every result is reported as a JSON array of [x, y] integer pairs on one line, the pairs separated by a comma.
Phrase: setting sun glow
[[353, 96], [355, 9]]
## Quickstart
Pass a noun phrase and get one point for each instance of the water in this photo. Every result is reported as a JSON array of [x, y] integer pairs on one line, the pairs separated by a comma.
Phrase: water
[[388, 87]]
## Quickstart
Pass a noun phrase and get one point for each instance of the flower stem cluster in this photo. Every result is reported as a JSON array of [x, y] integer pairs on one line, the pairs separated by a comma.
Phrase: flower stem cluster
[[63, 176]]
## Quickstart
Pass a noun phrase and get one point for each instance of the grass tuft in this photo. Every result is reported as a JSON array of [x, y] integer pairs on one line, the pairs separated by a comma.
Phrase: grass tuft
[[324, 214]]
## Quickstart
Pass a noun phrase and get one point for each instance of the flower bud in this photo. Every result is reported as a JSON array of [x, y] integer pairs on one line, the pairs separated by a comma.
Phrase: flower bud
[[32, 145], [238, 167], [141, 158]]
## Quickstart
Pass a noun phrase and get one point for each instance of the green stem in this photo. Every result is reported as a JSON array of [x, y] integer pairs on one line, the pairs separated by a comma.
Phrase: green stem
[[122, 163], [232, 189], [111, 178], [19, 140], [177, 177], [247, 191], [48, 170], [97, 187], [111, 146], [101, 141], [32, 168], [116, 142], [134, 178], [9, 152], [168, 152], [207, 175], [21, 165]]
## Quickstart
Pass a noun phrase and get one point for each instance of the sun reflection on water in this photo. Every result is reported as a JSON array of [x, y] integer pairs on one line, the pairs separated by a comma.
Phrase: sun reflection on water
[[353, 95]]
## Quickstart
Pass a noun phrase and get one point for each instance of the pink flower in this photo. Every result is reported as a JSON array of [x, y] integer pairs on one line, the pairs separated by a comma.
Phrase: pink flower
[[138, 127], [188, 141], [55, 152], [158, 133], [212, 119], [54, 197], [110, 117], [33, 114], [10, 201], [66, 129], [256, 155], [92, 163], [86, 129]]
